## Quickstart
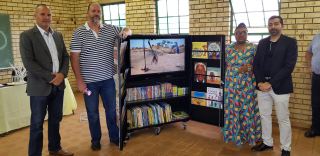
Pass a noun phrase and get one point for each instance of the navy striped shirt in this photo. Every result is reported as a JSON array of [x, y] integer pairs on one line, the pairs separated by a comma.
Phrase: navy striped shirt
[[96, 51]]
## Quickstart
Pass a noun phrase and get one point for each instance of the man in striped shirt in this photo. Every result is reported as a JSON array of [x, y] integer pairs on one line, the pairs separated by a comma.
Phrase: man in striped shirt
[[92, 63]]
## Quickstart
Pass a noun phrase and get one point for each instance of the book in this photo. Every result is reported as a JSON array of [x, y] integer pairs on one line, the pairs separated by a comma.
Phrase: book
[[199, 46], [214, 93], [200, 54], [198, 94], [214, 55], [214, 104], [200, 71], [214, 46], [197, 101], [179, 115], [214, 75]]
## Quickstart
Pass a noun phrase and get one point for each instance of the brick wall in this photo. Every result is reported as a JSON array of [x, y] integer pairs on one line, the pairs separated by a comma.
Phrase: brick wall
[[141, 16], [302, 21], [21, 17], [209, 17], [301, 17]]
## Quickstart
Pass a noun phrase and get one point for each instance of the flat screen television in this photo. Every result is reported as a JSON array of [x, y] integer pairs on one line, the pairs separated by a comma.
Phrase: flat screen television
[[156, 54]]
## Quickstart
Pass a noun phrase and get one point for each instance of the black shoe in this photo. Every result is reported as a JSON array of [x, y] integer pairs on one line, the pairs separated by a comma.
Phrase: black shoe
[[115, 142], [285, 153], [261, 147], [96, 147], [311, 133]]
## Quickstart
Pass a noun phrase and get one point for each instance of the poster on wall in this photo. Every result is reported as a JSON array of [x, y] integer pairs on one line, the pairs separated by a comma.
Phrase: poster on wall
[[6, 57]]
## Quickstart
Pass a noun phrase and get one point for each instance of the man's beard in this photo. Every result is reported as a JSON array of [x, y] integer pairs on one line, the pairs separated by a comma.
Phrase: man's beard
[[95, 19], [274, 32]]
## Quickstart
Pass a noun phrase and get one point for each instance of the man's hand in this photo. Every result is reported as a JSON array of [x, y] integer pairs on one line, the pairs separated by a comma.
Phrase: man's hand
[[264, 86], [57, 79], [81, 86], [125, 33]]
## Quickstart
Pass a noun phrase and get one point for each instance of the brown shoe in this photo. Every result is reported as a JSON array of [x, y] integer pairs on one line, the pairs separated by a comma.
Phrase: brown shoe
[[60, 153]]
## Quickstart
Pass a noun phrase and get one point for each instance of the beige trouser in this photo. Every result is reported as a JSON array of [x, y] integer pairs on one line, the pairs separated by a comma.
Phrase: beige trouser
[[281, 102]]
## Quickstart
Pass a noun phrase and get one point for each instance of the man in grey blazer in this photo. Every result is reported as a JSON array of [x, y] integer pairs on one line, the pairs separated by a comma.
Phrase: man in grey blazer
[[45, 57]]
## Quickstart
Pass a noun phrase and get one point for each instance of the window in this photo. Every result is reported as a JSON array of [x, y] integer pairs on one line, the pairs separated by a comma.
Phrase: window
[[172, 16], [114, 14], [255, 14]]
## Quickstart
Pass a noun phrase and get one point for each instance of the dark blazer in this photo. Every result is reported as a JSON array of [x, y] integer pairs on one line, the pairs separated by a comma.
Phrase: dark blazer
[[37, 60], [283, 62]]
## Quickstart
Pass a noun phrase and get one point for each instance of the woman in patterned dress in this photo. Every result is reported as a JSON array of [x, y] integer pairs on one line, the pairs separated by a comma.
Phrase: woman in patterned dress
[[241, 114]]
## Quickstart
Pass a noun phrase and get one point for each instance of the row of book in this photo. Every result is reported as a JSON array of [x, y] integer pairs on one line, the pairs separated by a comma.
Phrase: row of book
[[211, 94], [207, 103], [204, 74], [206, 46], [212, 98], [150, 114], [215, 55], [163, 90]]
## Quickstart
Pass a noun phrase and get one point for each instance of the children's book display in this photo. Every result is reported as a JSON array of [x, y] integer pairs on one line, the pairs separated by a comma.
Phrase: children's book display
[[165, 79], [207, 74]]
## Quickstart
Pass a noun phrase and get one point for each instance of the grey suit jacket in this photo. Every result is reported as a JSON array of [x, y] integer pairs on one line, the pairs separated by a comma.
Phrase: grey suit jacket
[[37, 60]]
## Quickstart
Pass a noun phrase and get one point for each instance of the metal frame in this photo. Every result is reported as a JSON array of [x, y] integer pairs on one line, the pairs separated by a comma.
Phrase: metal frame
[[167, 17], [119, 19]]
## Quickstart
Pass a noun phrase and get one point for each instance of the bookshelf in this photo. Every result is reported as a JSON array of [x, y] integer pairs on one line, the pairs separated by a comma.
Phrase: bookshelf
[[207, 75], [155, 99]]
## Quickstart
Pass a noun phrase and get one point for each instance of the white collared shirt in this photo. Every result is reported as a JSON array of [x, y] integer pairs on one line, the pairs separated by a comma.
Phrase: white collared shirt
[[94, 33], [47, 36]]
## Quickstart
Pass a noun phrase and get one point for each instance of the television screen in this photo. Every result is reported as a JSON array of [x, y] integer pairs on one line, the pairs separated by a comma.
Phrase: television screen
[[161, 55]]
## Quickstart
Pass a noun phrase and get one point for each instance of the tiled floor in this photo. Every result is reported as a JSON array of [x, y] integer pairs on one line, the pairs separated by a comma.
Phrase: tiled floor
[[197, 140]]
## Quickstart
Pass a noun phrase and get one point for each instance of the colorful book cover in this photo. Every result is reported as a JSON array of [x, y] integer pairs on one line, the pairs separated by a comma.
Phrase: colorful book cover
[[200, 54], [214, 55], [197, 94], [174, 90], [214, 104], [199, 46], [214, 46], [200, 71], [179, 115], [196, 101], [214, 93], [214, 75]]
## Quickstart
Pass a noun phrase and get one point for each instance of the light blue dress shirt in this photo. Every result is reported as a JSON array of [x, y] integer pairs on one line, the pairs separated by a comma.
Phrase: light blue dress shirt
[[314, 48]]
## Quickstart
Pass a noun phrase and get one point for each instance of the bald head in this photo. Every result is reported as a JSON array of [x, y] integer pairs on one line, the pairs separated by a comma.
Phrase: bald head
[[42, 15], [94, 13]]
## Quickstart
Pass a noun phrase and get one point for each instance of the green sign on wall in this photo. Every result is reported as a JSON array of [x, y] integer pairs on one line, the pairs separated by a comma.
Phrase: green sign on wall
[[5, 42]]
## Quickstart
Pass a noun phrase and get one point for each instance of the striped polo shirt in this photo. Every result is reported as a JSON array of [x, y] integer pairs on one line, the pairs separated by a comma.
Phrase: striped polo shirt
[[96, 51]]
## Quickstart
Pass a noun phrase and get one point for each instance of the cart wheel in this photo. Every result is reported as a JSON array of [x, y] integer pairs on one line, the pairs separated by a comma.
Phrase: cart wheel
[[157, 130], [128, 136], [184, 125]]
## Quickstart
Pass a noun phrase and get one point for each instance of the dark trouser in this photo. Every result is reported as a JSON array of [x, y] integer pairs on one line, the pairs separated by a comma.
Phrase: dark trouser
[[315, 102], [106, 89], [39, 106]]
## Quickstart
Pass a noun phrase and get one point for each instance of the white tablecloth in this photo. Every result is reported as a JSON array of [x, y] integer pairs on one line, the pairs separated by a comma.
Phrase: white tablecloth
[[15, 106]]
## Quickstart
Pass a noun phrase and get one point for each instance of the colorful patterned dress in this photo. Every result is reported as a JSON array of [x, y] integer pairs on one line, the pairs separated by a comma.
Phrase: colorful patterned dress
[[241, 115]]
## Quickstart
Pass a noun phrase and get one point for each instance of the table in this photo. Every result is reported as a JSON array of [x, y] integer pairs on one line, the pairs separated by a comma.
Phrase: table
[[15, 106]]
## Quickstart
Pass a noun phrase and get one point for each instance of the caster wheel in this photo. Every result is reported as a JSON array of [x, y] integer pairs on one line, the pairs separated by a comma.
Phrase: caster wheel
[[157, 130], [128, 136], [184, 126]]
